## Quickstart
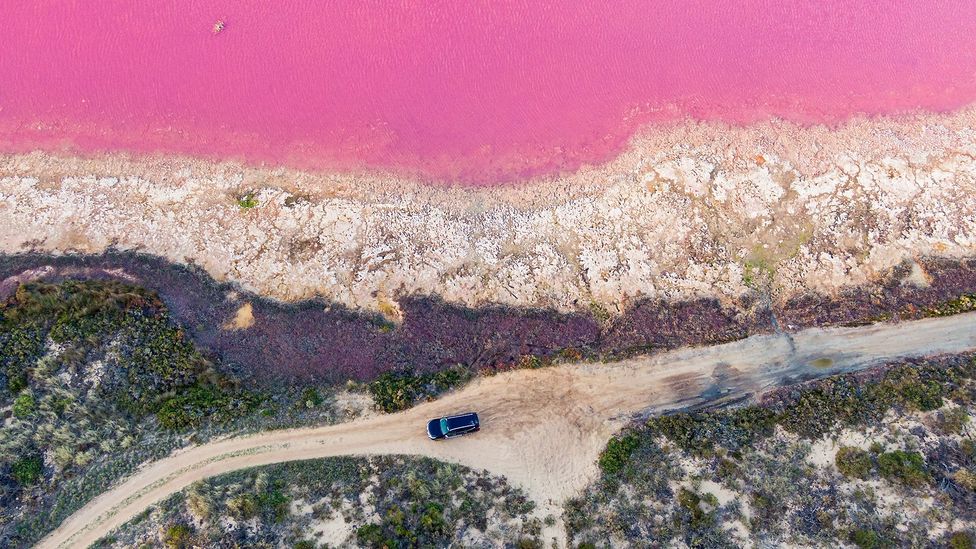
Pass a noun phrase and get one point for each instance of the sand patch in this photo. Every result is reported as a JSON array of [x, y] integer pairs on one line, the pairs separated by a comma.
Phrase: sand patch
[[918, 277], [243, 319]]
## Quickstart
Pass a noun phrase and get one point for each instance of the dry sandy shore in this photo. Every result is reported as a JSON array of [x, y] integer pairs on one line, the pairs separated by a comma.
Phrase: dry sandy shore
[[689, 210], [542, 429]]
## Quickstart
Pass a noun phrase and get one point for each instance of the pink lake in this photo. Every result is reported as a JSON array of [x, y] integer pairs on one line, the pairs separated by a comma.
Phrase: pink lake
[[477, 91]]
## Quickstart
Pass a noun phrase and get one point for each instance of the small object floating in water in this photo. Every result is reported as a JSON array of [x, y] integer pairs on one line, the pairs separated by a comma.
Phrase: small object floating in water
[[218, 26]]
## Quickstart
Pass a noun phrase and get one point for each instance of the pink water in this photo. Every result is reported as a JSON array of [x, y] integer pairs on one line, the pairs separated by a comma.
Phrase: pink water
[[479, 91]]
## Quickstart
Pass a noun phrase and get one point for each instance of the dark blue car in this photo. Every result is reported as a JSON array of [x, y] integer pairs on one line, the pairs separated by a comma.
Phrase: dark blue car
[[453, 426]]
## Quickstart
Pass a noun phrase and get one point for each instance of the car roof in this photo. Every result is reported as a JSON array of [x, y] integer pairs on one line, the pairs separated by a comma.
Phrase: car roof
[[462, 420]]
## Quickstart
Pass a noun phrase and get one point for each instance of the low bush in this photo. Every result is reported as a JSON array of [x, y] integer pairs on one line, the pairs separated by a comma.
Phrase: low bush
[[907, 468], [848, 401], [192, 406], [396, 391], [962, 540], [853, 462], [965, 478], [311, 397], [867, 539], [28, 470], [24, 404], [247, 201], [96, 374], [962, 304], [952, 421], [699, 432], [371, 535], [617, 453], [177, 536], [529, 543], [698, 508]]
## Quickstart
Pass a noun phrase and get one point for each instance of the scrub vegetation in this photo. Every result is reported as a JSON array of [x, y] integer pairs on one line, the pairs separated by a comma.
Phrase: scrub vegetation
[[377, 502], [99, 376], [962, 304], [96, 379], [876, 459], [395, 391], [247, 201]]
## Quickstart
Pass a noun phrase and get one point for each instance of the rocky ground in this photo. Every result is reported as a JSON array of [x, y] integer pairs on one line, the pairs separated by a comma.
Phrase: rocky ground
[[688, 211]]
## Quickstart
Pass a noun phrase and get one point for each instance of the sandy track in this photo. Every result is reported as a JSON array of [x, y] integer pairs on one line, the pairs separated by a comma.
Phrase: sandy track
[[542, 429]]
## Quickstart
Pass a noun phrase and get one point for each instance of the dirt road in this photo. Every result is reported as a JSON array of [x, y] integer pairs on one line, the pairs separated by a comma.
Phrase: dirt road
[[542, 429]]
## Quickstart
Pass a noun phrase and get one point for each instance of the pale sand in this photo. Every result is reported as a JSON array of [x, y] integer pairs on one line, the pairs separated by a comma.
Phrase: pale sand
[[689, 210]]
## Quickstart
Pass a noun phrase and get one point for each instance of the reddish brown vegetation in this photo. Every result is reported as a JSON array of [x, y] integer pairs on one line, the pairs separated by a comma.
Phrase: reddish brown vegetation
[[325, 342]]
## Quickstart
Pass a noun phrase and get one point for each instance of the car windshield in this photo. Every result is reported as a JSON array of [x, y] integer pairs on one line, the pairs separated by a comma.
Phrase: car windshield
[[444, 427]]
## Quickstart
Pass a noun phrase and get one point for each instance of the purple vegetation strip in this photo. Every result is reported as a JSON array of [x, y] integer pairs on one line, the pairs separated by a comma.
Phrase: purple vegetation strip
[[316, 340], [892, 298]]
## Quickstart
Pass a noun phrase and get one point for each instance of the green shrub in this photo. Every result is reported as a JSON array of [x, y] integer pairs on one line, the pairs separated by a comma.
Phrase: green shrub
[[177, 536], [924, 396], [194, 405], [275, 504], [247, 201], [907, 468], [311, 397], [867, 539], [618, 452], [433, 519], [962, 540], [244, 506], [816, 411], [95, 432], [952, 421], [531, 362], [24, 405], [784, 492], [396, 391], [727, 470], [27, 470], [371, 535], [700, 432], [965, 478], [968, 448], [766, 510], [853, 462], [700, 508], [16, 381], [21, 344], [446, 380], [153, 357], [961, 304], [529, 543]]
